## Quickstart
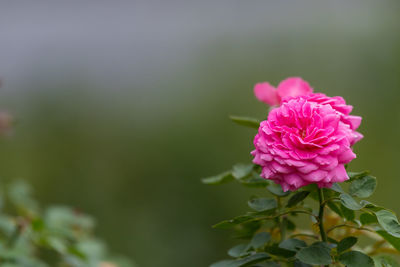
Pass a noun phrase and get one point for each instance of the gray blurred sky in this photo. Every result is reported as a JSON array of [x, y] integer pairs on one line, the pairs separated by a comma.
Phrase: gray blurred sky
[[123, 41]]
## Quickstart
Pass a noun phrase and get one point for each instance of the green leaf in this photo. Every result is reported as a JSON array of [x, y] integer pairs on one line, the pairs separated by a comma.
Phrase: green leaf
[[337, 188], [385, 261], [224, 263], [247, 261], [389, 222], [262, 204], [241, 170], [58, 244], [267, 264], [346, 243], [238, 250], [7, 225], [235, 221], [394, 241], [259, 240], [255, 180], [371, 206], [276, 190], [277, 251], [297, 198], [348, 214], [356, 259], [316, 254], [350, 202], [293, 244], [218, 179], [363, 187], [252, 259], [356, 175], [64, 218], [367, 218], [246, 121], [301, 264], [92, 248], [20, 195], [333, 241]]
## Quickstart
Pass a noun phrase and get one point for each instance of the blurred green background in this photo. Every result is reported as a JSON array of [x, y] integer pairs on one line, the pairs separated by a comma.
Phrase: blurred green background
[[123, 106]]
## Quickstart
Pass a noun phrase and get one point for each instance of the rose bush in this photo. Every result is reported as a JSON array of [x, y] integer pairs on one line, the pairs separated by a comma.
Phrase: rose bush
[[300, 156]]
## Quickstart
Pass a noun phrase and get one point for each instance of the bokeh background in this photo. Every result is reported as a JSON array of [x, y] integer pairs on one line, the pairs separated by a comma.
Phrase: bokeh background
[[122, 106]]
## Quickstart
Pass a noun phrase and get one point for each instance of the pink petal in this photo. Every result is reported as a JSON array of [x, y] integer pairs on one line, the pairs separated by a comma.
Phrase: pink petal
[[266, 93], [285, 187], [294, 180], [326, 160], [266, 157], [308, 168], [356, 137], [267, 173], [295, 163], [346, 156], [354, 121], [294, 86], [339, 174], [315, 176], [304, 155], [280, 168]]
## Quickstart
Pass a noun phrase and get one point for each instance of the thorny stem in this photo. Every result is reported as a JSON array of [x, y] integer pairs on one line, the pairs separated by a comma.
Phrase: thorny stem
[[321, 216]]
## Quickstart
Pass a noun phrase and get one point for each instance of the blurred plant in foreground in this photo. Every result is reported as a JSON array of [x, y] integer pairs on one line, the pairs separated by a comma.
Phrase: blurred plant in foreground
[[55, 236], [301, 153]]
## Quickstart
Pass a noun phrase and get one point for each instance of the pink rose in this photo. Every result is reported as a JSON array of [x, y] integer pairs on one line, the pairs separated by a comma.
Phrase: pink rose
[[291, 87], [306, 140]]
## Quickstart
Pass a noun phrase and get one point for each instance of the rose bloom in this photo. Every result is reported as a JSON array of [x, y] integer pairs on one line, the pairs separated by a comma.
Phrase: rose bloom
[[308, 139]]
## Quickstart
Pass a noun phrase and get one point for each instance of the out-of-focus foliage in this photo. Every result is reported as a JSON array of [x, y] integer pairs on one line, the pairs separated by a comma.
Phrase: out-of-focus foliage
[[31, 236]]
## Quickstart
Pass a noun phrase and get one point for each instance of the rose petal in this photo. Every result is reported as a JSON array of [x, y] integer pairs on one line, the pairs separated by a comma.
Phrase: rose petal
[[339, 174], [354, 121], [315, 176], [266, 93], [294, 86]]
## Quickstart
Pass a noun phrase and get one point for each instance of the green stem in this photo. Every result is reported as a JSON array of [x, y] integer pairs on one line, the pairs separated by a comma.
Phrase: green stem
[[321, 216], [281, 222]]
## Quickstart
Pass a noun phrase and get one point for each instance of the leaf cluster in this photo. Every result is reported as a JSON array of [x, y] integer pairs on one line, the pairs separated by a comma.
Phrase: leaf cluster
[[56, 236]]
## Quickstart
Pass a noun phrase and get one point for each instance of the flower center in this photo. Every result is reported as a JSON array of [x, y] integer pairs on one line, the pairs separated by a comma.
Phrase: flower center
[[303, 133]]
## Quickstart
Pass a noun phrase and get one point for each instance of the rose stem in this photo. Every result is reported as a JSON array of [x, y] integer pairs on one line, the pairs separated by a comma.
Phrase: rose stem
[[321, 215]]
